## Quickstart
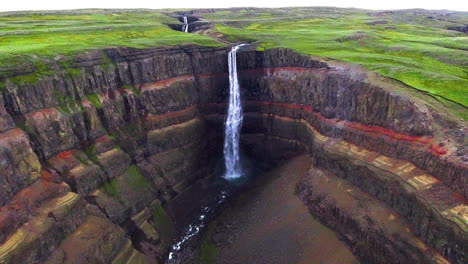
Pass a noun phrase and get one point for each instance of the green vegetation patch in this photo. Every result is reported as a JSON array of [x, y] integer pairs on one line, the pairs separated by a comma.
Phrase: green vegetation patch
[[111, 188], [409, 46], [132, 179], [80, 158], [208, 250], [164, 225], [412, 46], [29, 38], [68, 104], [136, 180], [132, 88], [91, 153], [94, 100], [27, 79], [40, 69], [66, 66]]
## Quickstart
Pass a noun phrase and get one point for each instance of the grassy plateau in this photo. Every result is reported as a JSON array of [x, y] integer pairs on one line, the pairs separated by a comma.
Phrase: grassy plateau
[[27, 37], [417, 47], [413, 46]]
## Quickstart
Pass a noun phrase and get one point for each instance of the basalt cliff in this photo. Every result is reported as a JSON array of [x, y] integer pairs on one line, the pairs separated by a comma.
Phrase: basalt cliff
[[104, 161]]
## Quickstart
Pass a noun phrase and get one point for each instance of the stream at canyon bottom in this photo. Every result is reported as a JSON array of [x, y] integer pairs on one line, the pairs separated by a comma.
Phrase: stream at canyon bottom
[[264, 222], [269, 224]]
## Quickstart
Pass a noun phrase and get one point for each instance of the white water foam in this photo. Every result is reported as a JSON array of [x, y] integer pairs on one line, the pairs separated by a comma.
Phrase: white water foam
[[234, 120], [194, 228], [186, 25], [231, 155]]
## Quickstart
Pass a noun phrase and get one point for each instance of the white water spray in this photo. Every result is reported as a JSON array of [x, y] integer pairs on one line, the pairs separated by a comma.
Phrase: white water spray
[[233, 121], [186, 25], [195, 227]]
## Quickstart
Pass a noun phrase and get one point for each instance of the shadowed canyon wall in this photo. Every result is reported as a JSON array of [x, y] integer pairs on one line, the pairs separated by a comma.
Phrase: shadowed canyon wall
[[118, 145]]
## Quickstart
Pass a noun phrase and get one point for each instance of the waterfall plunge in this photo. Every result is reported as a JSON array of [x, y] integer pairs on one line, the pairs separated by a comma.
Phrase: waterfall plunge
[[186, 25], [234, 121], [231, 154]]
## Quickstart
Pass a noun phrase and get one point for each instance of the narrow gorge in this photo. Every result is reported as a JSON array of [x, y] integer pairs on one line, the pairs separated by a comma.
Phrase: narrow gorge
[[109, 159]]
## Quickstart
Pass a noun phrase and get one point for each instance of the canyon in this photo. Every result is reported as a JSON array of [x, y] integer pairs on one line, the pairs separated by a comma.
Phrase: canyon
[[106, 161]]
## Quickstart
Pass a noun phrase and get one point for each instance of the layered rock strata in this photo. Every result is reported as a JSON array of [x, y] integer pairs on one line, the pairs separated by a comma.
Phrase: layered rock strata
[[373, 134], [113, 147], [377, 138], [99, 152], [363, 222]]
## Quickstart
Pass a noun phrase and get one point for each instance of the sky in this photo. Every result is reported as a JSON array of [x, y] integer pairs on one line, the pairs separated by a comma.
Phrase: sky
[[15, 5]]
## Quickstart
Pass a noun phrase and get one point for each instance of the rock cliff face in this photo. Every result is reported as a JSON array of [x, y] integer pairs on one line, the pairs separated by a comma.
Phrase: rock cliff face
[[371, 135], [105, 150], [113, 147]]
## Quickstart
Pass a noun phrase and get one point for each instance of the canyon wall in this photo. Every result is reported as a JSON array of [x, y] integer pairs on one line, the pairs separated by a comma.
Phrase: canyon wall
[[122, 144], [107, 150], [376, 148]]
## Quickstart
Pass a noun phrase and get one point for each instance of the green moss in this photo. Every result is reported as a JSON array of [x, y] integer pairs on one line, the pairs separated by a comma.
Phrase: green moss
[[208, 250], [132, 88], [68, 104], [41, 69], [164, 225], [208, 253], [136, 180], [94, 100], [91, 153], [73, 71], [112, 136], [111, 188], [75, 106], [133, 179], [66, 66], [81, 160], [106, 61], [27, 79]]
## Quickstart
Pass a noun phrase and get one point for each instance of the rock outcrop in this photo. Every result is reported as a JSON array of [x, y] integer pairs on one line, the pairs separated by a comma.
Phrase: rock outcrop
[[112, 147]]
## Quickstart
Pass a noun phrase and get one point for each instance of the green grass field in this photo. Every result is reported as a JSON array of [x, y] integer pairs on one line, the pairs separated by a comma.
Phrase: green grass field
[[414, 46], [26, 38], [410, 47]]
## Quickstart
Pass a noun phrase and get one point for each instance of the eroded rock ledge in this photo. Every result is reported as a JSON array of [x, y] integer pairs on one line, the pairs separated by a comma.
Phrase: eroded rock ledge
[[112, 148]]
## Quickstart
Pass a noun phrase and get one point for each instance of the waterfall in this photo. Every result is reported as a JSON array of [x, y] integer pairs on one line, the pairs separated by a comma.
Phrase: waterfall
[[186, 25], [233, 121]]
